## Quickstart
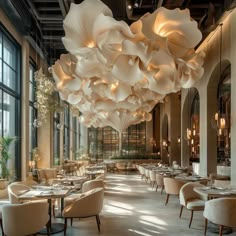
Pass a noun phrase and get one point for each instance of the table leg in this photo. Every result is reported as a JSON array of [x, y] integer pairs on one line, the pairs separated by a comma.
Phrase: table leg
[[53, 227], [62, 205]]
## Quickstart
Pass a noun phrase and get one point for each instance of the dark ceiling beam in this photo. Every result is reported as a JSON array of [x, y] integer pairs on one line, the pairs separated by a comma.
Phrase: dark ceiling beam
[[50, 37], [49, 8], [52, 27], [159, 4], [63, 8], [43, 17], [50, 22], [44, 1]]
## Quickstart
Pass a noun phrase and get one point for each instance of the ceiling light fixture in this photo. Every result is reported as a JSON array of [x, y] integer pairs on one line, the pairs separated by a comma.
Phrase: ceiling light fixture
[[129, 69]]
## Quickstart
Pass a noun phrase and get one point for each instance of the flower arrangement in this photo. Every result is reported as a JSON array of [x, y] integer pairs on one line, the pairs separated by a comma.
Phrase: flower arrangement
[[46, 100], [36, 154]]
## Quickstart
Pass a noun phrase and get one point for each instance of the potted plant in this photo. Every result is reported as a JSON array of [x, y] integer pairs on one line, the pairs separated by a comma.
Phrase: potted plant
[[5, 155]]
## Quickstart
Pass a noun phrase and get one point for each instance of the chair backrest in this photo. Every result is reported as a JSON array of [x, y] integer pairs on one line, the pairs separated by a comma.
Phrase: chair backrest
[[222, 183], [147, 173], [142, 170], [159, 179], [41, 175], [100, 177], [15, 189], [89, 204], [46, 175], [24, 219], [187, 193], [91, 184], [172, 186], [221, 211], [152, 175]]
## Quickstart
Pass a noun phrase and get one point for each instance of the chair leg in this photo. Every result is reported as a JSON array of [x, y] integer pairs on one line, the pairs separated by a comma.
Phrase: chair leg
[[156, 187], [191, 218], [181, 209], [65, 226], [48, 230], [1, 227], [98, 224], [167, 199], [71, 221], [221, 230], [205, 228], [99, 220]]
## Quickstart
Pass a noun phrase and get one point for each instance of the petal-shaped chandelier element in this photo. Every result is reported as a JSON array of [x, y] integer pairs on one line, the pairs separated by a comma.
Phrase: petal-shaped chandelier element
[[115, 73]]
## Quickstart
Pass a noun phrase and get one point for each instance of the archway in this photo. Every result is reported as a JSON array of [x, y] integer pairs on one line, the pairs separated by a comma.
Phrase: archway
[[214, 105], [190, 127]]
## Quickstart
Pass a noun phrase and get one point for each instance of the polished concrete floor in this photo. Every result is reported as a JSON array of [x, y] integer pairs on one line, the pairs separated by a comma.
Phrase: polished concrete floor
[[132, 207]]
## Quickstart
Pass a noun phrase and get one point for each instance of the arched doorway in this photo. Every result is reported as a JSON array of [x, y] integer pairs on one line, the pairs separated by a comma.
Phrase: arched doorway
[[191, 127], [221, 119], [217, 97]]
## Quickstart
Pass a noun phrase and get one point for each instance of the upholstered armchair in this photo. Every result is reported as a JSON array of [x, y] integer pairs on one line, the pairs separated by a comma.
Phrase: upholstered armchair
[[100, 177], [87, 186], [91, 184], [47, 176], [24, 219], [159, 182], [172, 187], [220, 211], [222, 183], [152, 176], [87, 205], [16, 189], [190, 199]]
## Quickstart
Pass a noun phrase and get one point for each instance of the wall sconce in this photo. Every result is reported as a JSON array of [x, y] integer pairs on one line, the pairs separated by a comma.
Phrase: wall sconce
[[165, 144], [219, 123], [178, 139]]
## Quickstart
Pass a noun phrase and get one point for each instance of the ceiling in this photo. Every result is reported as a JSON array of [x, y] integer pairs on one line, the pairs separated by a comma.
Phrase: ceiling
[[41, 21]]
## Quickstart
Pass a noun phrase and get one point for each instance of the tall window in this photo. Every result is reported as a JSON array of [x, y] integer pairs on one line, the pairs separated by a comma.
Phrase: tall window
[[66, 136], [76, 138], [104, 142], [32, 109], [10, 95]]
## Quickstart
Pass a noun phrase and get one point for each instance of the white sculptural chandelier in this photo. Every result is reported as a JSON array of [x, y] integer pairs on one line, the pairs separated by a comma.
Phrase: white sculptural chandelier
[[115, 73]]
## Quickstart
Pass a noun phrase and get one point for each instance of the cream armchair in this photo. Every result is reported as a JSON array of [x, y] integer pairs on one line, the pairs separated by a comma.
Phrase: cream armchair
[[87, 186], [91, 184], [88, 205], [47, 176], [172, 187], [159, 182], [220, 211], [190, 199], [24, 219], [15, 189]]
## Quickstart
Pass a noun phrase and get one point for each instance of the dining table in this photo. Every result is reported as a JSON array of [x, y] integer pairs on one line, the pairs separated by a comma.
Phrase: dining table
[[92, 173], [211, 192], [71, 179], [191, 178], [49, 193]]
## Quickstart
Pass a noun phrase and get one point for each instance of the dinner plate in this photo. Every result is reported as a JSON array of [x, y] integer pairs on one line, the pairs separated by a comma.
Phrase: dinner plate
[[205, 188], [45, 193]]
